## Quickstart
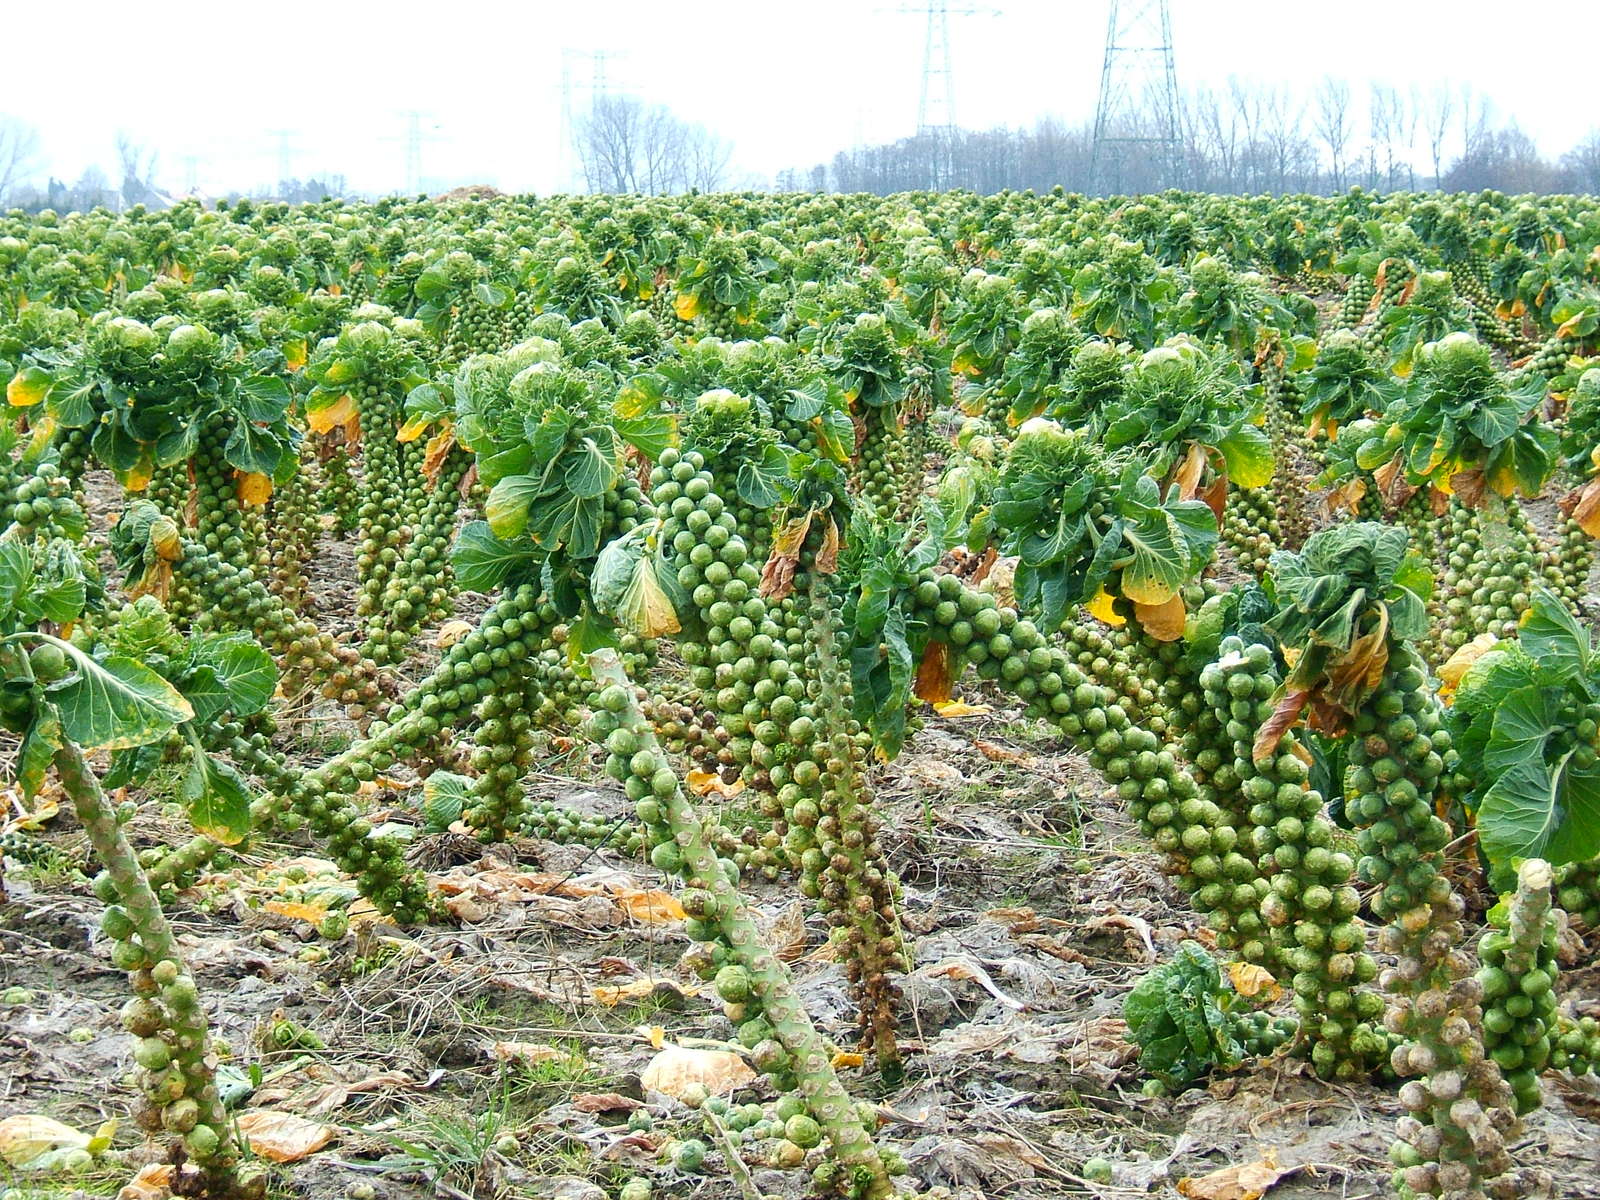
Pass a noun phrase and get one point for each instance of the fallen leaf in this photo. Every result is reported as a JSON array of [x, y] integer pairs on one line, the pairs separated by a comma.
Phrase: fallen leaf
[[675, 1068], [153, 1182], [1016, 920], [450, 633], [595, 1102], [637, 989], [996, 753], [653, 906], [525, 1052], [847, 1058], [295, 911], [27, 1137], [283, 1137], [709, 783], [1250, 980], [966, 968], [951, 709], [1248, 1181]]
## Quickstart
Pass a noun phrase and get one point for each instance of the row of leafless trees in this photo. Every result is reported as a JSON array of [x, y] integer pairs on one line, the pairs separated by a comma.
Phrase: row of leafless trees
[[20, 160], [626, 145], [1245, 138]]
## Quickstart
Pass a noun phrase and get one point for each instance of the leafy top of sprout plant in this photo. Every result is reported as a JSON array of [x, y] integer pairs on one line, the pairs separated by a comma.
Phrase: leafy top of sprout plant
[[1346, 383], [374, 351], [555, 454], [147, 390], [990, 315], [1118, 292], [728, 429], [1462, 428], [1034, 372], [1082, 523], [1526, 723], [1186, 410], [1344, 601]]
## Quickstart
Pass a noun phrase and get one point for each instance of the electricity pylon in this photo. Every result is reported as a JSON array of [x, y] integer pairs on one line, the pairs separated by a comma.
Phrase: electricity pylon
[[1138, 108]]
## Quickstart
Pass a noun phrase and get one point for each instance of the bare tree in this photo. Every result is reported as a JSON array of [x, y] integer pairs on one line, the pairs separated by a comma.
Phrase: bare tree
[[1333, 124], [1441, 108], [1582, 164], [626, 145], [19, 154], [138, 164]]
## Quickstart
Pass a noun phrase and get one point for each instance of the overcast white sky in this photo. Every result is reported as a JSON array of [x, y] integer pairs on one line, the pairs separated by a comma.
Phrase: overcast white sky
[[788, 84]]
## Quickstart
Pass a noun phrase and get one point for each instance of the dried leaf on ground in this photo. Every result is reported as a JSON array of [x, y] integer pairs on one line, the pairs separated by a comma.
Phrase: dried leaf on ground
[[637, 989], [709, 783], [28, 1137], [597, 1102], [450, 633], [654, 905], [153, 1182], [1247, 1181], [675, 1068], [1252, 981], [950, 709], [283, 1137], [966, 968], [524, 1052]]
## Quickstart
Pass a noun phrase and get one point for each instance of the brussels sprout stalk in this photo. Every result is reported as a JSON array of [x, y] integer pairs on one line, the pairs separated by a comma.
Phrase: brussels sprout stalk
[[735, 930]]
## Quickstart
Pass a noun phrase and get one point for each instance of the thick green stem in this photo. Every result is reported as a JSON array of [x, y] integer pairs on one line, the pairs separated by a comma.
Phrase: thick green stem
[[806, 1053], [191, 1076]]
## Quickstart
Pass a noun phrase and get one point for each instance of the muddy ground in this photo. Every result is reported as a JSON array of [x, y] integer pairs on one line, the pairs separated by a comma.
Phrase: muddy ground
[[1031, 908]]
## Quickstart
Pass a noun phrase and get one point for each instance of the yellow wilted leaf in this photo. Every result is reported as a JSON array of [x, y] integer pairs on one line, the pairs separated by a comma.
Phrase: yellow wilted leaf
[[687, 306], [709, 783], [1249, 980], [951, 709], [652, 906], [1249, 1181], [43, 428], [294, 354], [295, 911], [412, 429], [437, 450], [28, 387], [676, 1068], [1102, 608], [1456, 667], [340, 412], [450, 633], [283, 1137], [137, 478], [27, 1137], [1164, 622], [636, 989], [44, 810], [847, 1058], [254, 488], [153, 1182], [657, 1036]]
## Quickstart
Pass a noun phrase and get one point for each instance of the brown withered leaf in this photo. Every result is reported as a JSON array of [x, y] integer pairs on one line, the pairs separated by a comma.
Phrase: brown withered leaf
[[1392, 485], [437, 451], [599, 1102], [1355, 673], [1187, 474], [283, 1137], [1470, 486], [777, 577], [1346, 497], [827, 561], [1585, 507], [935, 677], [1284, 715], [1216, 496], [1250, 980], [468, 481], [1247, 1181]]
